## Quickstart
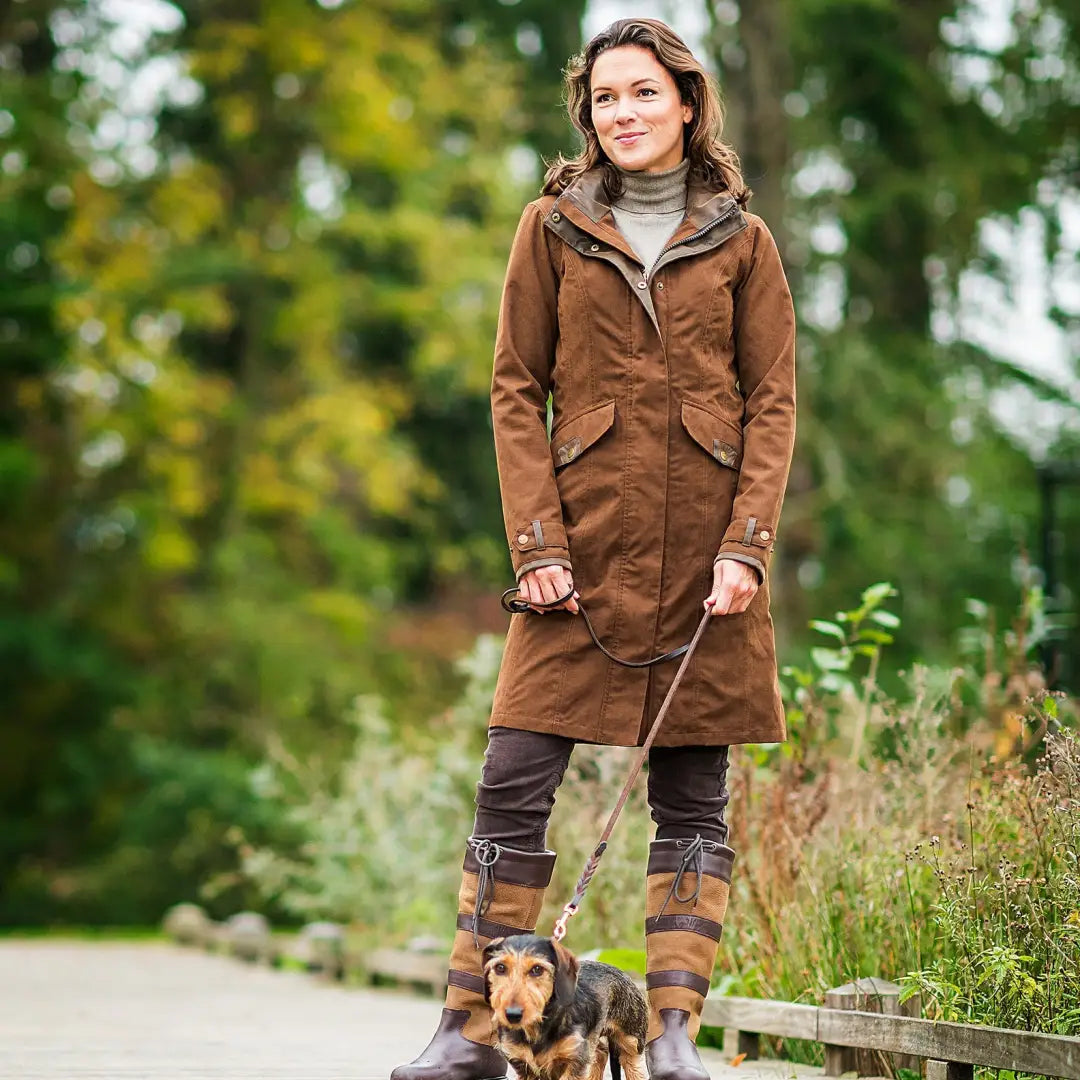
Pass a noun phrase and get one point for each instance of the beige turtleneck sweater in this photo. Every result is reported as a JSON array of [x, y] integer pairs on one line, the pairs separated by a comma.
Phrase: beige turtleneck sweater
[[650, 209]]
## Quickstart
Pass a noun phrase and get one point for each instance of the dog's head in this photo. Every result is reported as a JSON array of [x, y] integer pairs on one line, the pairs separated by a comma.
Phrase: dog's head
[[525, 977]]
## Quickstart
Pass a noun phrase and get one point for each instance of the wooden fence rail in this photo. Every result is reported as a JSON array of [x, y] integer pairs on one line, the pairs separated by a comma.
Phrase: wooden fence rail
[[869, 1023], [954, 1048]]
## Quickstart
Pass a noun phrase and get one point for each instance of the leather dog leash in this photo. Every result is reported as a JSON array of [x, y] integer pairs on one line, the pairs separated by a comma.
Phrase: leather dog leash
[[593, 862], [517, 605]]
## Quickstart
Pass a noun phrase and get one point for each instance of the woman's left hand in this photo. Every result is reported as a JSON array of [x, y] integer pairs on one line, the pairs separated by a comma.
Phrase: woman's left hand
[[734, 586]]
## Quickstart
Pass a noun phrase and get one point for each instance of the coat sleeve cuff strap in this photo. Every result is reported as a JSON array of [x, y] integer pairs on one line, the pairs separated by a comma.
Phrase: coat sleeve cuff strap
[[749, 540], [538, 542], [751, 534]]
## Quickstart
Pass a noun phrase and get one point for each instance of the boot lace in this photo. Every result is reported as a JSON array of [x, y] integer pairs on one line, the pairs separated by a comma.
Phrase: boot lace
[[691, 860], [487, 854]]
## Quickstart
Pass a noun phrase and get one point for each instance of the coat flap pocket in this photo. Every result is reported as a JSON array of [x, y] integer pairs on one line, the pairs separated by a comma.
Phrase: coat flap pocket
[[574, 436], [719, 438]]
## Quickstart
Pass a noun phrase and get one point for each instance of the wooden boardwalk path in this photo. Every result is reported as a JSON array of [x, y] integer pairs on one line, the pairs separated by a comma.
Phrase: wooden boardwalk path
[[72, 1010]]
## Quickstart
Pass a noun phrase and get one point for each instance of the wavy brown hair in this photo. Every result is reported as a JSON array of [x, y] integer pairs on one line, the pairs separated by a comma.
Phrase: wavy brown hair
[[711, 160]]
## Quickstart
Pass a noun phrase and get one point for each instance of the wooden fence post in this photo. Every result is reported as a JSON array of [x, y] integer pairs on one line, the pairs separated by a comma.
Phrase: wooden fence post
[[949, 1070], [321, 946], [749, 1045], [870, 995], [186, 924], [247, 936]]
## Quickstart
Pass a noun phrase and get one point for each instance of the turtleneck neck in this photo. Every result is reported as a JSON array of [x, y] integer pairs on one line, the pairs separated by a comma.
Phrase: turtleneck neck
[[650, 208], [656, 192]]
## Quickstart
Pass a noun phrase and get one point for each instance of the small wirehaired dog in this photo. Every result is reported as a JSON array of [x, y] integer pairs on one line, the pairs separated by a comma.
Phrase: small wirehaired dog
[[558, 1018]]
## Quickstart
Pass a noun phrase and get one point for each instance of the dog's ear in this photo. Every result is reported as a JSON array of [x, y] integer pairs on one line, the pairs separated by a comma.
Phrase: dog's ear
[[490, 949], [566, 976]]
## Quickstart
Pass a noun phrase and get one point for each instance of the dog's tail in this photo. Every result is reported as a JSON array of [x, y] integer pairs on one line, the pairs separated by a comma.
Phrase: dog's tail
[[613, 1061]]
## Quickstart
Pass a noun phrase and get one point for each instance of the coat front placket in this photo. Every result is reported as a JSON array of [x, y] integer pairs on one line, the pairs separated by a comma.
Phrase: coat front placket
[[587, 225]]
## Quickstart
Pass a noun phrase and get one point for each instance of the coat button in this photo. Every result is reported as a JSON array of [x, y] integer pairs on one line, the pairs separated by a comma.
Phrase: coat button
[[556, 216], [523, 538], [659, 284], [594, 247], [642, 284], [765, 534]]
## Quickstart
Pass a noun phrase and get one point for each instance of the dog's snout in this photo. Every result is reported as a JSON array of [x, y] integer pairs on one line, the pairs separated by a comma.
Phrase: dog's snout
[[514, 1014]]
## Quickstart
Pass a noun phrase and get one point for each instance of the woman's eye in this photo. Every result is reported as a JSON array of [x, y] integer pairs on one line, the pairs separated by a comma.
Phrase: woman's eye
[[647, 90], [601, 98], [536, 970]]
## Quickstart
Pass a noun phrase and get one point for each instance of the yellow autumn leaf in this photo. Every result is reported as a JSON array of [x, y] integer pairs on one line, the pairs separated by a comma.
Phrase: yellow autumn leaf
[[349, 614], [238, 116], [187, 432], [169, 550]]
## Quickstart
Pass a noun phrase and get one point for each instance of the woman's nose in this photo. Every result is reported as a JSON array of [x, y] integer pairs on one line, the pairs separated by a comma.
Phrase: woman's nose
[[624, 111]]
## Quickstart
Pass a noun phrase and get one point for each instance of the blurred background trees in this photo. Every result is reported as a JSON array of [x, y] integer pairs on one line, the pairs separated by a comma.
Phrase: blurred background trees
[[252, 256], [885, 138]]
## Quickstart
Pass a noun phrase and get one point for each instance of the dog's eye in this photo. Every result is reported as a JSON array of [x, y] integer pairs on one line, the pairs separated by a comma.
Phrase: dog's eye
[[536, 971], [500, 969]]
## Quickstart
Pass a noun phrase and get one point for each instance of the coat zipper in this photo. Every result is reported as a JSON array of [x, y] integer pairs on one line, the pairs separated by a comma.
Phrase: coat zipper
[[731, 210]]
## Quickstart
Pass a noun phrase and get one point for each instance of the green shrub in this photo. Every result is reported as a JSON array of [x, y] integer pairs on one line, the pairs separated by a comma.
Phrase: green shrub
[[381, 833], [1008, 903]]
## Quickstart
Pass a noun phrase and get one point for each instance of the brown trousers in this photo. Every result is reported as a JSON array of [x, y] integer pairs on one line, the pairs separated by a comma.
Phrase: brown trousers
[[522, 770]]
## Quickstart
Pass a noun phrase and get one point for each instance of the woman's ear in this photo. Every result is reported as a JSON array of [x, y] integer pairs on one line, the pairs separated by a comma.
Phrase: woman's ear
[[566, 976], [688, 114]]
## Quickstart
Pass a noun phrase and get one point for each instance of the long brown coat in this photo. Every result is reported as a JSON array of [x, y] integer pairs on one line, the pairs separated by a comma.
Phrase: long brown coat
[[673, 421]]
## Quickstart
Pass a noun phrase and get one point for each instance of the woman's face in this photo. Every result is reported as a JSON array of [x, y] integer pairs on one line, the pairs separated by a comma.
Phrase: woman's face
[[636, 110]]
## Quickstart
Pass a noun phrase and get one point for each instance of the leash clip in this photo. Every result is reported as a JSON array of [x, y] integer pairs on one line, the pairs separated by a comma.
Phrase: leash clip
[[560, 926]]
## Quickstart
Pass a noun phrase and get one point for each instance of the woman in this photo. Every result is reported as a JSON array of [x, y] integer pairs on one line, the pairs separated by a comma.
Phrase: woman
[[654, 309]]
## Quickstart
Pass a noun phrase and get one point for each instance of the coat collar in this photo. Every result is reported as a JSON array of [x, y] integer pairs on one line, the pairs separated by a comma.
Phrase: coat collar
[[586, 204], [582, 215]]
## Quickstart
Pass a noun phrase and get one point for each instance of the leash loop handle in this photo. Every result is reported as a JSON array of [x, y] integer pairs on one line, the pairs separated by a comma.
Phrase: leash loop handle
[[514, 603]]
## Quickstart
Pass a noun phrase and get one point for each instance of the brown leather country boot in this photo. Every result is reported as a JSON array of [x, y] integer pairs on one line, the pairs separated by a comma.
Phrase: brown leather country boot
[[686, 899], [501, 893]]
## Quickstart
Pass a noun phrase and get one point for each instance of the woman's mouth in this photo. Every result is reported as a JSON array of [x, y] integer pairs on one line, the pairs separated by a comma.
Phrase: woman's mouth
[[629, 138]]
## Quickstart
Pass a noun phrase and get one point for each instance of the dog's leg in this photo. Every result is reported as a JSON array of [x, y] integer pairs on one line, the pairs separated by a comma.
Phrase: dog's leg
[[579, 1063], [616, 1065], [596, 1069], [627, 1058]]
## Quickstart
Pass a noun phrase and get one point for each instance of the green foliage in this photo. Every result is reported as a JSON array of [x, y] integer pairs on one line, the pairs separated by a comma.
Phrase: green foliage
[[896, 132], [245, 451], [239, 352], [378, 837], [860, 633], [631, 960]]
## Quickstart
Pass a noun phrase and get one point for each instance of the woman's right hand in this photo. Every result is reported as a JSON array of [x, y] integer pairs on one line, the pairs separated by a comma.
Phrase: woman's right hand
[[548, 583]]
